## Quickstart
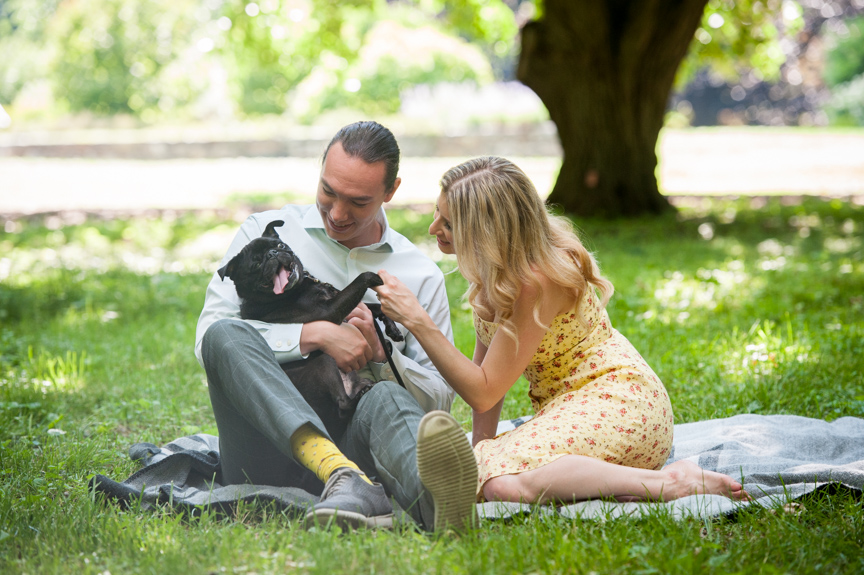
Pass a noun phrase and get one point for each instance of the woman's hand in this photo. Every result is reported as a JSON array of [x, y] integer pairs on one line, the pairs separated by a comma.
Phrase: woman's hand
[[398, 302]]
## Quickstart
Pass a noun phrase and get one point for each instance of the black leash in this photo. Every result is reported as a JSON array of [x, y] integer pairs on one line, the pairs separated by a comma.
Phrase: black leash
[[388, 347]]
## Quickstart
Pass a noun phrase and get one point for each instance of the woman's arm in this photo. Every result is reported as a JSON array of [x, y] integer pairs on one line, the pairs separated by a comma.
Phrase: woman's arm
[[484, 424], [481, 386]]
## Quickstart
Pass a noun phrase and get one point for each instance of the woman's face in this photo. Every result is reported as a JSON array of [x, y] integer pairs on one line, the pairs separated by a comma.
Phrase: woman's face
[[440, 227]]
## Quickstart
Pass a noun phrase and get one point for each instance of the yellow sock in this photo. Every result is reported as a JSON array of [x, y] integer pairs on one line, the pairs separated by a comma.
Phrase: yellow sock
[[318, 454]]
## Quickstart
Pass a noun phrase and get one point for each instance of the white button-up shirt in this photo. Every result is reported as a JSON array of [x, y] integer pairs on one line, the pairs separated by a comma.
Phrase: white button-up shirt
[[331, 262]]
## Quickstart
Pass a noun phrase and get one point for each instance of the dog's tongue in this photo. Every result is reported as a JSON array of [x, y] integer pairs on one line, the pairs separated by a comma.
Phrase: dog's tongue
[[280, 281]]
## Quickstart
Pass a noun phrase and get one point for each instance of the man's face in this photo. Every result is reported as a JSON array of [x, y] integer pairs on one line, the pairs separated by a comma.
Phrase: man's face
[[350, 194]]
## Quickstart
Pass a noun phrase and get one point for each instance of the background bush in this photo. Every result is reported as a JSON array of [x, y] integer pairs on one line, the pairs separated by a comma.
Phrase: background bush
[[844, 73]]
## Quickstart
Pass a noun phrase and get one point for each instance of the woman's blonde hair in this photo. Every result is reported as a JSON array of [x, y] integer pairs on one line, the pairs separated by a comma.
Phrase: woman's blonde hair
[[502, 232]]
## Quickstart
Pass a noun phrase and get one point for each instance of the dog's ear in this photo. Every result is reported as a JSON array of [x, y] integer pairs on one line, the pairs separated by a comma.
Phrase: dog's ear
[[270, 230], [228, 269]]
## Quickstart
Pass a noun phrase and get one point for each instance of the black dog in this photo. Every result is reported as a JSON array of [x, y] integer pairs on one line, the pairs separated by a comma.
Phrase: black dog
[[274, 287]]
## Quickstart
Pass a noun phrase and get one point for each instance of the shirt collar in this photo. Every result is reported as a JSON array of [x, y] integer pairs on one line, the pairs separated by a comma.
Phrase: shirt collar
[[312, 221]]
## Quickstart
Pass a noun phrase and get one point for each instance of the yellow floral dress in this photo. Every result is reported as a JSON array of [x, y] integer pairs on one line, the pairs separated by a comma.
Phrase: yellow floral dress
[[593, 395]]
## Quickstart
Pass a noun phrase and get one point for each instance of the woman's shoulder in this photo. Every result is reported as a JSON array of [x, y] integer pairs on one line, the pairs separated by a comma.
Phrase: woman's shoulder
[[554, 299], [558, 298]]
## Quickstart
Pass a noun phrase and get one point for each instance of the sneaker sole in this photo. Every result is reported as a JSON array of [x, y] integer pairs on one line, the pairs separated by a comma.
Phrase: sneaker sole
[[448, 470], [347, 520]]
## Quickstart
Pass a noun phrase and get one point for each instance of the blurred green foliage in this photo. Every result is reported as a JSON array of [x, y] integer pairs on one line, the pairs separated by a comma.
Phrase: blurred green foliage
[[845, 60], [157, 58], [22, 30], [270, 47], [846, 106], [116, 56], [741, 34], [396, 56], [153, 59], [328, 54], [844, 73]]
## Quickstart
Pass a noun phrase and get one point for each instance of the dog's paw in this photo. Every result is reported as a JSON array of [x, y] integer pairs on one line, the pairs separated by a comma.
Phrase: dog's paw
[[392, 331], [372, 279]]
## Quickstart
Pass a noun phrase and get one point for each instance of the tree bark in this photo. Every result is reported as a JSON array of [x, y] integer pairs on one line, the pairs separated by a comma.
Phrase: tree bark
[[604, 70]]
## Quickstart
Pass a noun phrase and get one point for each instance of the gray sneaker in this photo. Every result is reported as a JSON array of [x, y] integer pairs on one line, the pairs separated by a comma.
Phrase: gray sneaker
[[448, 470], [351, 503]]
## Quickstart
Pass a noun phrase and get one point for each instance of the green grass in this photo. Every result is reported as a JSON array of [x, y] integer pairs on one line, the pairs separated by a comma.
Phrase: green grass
[[738, 309]]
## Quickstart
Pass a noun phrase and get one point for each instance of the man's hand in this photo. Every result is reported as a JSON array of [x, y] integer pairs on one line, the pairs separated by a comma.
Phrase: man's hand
[[362, 319], [344, 342]]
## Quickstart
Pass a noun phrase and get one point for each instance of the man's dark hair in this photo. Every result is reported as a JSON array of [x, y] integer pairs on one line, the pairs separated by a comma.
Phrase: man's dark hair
[[371, 142]]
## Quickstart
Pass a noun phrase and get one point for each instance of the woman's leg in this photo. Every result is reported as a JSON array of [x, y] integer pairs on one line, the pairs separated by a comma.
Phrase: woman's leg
[[577, 478]]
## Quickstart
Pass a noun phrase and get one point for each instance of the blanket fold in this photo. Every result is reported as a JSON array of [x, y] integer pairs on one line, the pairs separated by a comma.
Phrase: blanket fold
[[778, 458]]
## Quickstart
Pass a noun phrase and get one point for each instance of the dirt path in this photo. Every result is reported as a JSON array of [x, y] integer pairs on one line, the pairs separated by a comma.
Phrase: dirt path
[[693, 162], [757, 161]]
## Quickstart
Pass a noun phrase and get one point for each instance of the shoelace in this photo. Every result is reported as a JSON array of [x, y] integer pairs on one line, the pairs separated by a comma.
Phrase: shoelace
[[341, 477]]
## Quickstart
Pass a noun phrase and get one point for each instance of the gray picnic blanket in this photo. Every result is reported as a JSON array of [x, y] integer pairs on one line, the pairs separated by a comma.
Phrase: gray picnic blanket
[[778, 458]]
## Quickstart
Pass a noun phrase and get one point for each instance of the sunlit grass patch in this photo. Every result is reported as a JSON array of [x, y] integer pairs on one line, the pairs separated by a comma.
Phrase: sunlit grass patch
[[187, 243], [63, 374]]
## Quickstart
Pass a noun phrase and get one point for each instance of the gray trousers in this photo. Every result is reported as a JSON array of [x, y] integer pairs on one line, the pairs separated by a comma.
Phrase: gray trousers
[[258, 409]]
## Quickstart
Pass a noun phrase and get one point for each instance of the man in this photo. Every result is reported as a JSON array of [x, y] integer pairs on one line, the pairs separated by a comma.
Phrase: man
[[268, 434]]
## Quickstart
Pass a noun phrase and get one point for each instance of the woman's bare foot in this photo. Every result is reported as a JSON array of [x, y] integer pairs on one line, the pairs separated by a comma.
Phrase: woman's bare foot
[[687, 478]]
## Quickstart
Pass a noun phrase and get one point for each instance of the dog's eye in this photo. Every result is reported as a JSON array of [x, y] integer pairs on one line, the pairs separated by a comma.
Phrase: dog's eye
[[281, 246]]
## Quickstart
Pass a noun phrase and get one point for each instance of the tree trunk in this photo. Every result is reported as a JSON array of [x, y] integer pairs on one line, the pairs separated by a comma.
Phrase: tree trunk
[[604, 70]]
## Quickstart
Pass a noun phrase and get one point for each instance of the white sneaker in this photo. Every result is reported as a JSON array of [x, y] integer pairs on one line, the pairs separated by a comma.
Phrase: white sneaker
[[448, 470]]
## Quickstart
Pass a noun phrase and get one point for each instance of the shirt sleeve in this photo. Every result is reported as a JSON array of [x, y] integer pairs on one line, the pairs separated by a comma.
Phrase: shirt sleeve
[[420, 376], [221, 302]]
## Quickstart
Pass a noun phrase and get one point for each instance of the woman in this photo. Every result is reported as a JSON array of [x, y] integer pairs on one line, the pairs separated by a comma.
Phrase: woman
[[603, 424]]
